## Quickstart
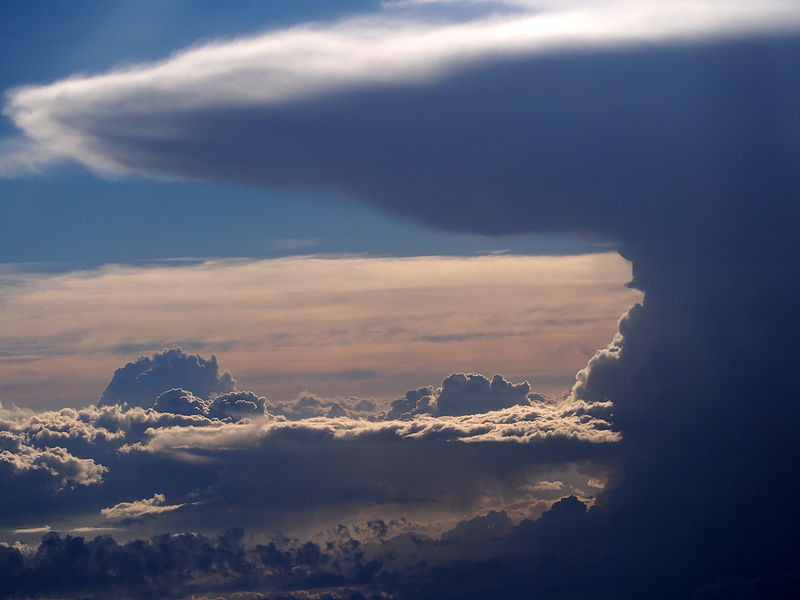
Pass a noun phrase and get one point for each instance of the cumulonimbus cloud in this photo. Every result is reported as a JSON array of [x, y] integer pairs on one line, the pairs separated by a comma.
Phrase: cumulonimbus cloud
[[669, 125]]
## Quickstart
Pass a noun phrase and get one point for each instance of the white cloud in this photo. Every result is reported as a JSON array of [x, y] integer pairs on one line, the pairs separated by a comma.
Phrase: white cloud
[[21, 157], [139, 509]]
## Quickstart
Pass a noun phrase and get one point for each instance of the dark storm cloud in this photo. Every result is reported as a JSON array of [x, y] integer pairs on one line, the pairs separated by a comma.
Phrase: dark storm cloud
[[683, 144], [304, 106]]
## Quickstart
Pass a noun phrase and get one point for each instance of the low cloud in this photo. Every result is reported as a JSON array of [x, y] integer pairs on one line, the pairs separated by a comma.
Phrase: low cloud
[[307, 405], [238, 458], [57, 467], [463, 394], [377, 560]]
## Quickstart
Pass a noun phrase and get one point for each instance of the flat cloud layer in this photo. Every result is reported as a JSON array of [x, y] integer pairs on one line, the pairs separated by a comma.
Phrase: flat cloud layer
[[339, 326]]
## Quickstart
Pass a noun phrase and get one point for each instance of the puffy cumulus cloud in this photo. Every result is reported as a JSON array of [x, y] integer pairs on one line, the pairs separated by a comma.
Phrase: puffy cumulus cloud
[[464, 394], [522, 423], [232, 406], [292, 473], [33, 476], [91, 426], [307, 405], [139, 509], [180, 402], [141, 381], [58, 463], [237, 406], [18, 458], [230, 462]]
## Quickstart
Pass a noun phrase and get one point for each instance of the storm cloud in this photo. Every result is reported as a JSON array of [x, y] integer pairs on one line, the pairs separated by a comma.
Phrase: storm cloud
[[672, 128]]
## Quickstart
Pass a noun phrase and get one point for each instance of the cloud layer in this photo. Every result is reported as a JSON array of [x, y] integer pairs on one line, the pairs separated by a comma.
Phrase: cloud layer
[[235, 460], [337, 326], [96, 120]]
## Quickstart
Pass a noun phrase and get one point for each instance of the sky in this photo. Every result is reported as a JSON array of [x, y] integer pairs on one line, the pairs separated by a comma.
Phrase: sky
[[126, 219], [399, 300]]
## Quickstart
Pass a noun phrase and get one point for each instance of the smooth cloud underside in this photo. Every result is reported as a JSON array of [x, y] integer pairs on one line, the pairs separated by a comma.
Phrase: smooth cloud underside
[[130, 511], [426, 118]]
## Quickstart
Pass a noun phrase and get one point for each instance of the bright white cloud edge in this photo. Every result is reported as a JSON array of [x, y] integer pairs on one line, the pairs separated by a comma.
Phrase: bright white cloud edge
[[387, 48]]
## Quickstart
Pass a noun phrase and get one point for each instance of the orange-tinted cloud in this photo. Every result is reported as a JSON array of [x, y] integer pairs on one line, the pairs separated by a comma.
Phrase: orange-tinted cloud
[[334, 325]]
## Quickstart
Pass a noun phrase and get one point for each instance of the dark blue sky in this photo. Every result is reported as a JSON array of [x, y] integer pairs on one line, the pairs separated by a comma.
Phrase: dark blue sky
[[74, 217]]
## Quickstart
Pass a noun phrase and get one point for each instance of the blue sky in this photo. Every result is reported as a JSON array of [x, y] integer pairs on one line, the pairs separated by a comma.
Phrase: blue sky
[[71, 217]]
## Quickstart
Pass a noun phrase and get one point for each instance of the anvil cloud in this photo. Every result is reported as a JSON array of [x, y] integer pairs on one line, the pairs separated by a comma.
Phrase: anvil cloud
[[114, 122]]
